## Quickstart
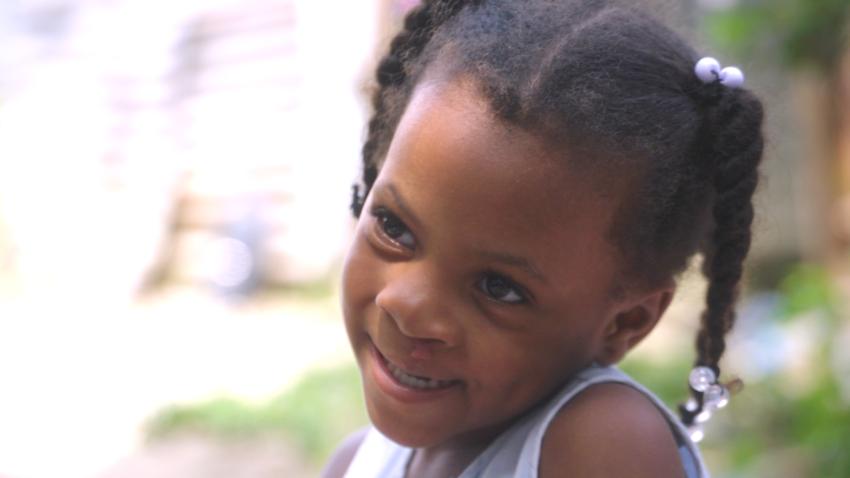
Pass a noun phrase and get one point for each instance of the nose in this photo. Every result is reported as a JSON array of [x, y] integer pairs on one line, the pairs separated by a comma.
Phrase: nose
[[418, 303]]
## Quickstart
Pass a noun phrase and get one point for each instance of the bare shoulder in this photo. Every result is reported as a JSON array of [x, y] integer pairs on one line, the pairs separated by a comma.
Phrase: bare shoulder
[[610, 430], [338, 463]]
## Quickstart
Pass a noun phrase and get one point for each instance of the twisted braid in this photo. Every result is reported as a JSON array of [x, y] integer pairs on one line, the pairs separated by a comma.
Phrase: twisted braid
[[738, 148], [419, 26]]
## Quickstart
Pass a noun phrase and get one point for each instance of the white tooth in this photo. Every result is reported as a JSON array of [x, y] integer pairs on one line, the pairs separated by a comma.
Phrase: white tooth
[[412, 381]]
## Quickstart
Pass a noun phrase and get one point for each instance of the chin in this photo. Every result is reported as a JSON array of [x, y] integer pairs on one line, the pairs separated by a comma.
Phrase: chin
[[409, 435], [407, 428]]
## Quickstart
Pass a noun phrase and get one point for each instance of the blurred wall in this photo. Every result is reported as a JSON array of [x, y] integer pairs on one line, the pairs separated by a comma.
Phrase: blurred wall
[[136, 133]]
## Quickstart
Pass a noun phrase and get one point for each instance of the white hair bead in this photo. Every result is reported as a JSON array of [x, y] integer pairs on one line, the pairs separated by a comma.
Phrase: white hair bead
[[732, 77], [707, 69], [701, 378], [696, 433], [703, 416], [716, 397]]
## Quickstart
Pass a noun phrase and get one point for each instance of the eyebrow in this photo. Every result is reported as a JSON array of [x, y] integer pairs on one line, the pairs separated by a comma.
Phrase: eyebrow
[[515, 261], [403, 205]]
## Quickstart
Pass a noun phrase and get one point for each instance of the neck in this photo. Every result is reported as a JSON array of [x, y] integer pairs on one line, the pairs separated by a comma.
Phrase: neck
[[442, 461], [450, 458]]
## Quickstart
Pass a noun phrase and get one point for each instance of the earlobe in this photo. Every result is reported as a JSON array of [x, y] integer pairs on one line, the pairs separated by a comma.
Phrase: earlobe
[[632, 323]]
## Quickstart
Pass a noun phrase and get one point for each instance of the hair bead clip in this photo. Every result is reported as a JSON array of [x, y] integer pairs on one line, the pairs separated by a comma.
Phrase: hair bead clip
[[708, 71], [715, 396]]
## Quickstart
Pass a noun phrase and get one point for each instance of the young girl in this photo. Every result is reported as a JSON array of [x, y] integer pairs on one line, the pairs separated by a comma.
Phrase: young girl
[[537, 173]]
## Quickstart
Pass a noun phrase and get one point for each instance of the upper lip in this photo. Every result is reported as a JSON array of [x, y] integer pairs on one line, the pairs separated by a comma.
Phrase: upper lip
[[412, 369]]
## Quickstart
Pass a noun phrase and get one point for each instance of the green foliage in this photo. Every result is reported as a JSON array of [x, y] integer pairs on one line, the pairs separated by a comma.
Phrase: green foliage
[[808, 287], [799, 32], [824, 428], [317, 412], [770, 419], [778, 414]]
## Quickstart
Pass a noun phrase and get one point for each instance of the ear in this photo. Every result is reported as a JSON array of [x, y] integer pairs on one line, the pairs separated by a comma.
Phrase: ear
[[633, 320]]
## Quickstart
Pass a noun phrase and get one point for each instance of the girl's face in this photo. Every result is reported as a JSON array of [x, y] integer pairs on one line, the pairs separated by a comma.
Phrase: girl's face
[[480, 265]]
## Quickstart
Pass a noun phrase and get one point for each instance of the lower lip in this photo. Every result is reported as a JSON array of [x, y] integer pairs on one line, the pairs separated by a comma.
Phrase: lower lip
[[401, 392]]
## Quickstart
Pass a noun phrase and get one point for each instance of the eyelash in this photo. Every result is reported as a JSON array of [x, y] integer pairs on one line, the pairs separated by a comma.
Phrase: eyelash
[[383, 217]]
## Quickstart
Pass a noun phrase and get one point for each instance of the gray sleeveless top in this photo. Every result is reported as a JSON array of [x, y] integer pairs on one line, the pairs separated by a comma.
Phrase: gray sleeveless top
[[516, 452]]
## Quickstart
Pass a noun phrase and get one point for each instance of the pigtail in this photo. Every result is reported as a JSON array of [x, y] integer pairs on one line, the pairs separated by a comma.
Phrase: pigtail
[[419, 26], [737, 146]]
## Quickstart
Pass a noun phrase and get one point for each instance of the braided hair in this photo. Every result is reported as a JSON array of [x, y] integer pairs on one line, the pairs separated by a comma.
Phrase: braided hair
[[394, 85], [605, 79]]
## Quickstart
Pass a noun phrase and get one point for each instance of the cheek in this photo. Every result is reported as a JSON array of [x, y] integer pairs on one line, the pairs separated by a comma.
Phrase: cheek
[[523, 367], [359, 282]]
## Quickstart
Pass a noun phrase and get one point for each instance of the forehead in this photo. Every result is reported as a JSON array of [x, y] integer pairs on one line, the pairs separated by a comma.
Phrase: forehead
[[448, 135], [488, 184]]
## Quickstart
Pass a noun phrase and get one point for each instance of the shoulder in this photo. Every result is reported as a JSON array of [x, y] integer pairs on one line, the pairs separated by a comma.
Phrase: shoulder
[[338, 463], [610, 430]]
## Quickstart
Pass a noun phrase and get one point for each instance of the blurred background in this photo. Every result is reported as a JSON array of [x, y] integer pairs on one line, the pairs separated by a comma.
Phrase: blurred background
[[174, 183]]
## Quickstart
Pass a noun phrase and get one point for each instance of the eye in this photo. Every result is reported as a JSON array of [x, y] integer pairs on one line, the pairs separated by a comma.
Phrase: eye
[[393, 227], [501, 289]]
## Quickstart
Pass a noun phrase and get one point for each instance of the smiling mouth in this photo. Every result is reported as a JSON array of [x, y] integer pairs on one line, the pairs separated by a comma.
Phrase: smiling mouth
[[412, 381]]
